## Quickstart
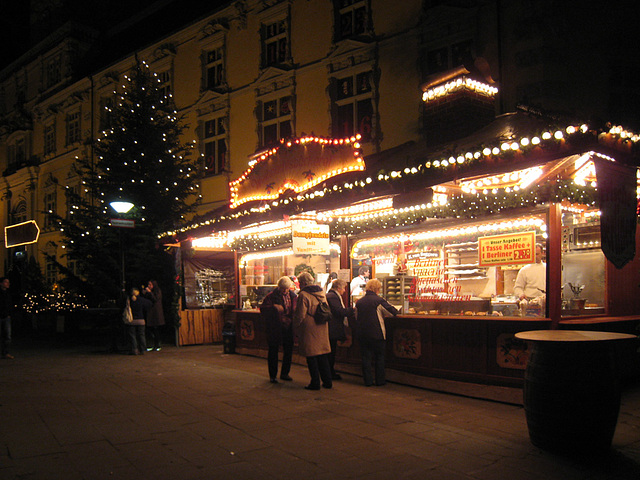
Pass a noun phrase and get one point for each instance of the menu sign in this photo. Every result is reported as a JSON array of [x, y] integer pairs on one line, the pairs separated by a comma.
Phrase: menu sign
[[512, 248], [310, 239]]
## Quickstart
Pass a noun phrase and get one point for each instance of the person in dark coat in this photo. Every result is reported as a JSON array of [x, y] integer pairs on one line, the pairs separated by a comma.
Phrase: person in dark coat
[[277, 310], [155, 319], [313, 338], [140, 308], [336, 325], [371, 332]]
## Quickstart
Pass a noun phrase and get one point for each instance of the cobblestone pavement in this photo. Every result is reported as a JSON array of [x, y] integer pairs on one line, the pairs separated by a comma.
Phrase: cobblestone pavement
[[79, 412]]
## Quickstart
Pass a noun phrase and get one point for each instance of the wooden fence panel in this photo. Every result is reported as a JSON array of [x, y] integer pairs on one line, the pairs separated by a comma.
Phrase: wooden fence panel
[[201, 326]]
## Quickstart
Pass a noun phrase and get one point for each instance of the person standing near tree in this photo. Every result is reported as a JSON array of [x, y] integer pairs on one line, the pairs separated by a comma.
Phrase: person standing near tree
[[155, 318], [140, 308], [6, 306]]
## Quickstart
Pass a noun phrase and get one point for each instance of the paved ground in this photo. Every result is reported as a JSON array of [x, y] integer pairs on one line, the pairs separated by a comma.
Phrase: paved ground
[[79, 412]]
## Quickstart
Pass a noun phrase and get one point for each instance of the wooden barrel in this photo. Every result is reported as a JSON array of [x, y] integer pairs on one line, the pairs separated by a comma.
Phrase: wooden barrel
[[572, 396]]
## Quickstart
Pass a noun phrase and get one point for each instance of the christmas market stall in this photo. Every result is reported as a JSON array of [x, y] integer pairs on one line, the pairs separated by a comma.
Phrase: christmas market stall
[[526, 223]]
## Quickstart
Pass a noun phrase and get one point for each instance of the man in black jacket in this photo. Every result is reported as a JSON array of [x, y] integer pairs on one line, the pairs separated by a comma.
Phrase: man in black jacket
[[336, 324], [371, 332], [277, 310]]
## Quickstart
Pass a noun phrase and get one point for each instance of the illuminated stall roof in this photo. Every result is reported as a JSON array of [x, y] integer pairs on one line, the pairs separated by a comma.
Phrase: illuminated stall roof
[[515, 148], [296, 165]]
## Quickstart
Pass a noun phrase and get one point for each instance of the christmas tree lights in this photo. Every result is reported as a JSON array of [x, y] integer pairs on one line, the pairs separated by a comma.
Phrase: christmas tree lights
[[140, 158]]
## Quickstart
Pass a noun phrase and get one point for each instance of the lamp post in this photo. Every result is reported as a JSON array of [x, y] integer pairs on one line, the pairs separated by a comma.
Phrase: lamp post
[[122, 207]]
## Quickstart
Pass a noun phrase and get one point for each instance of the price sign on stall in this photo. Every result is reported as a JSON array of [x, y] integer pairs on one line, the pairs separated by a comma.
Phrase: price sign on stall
[[310, 239], [513, 248]]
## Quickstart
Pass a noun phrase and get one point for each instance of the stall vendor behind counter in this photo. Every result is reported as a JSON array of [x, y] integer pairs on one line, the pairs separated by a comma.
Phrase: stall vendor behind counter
[[531, 282]]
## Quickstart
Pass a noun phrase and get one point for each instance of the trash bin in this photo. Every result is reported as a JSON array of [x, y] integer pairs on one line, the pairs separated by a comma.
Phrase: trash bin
[[229, 337]]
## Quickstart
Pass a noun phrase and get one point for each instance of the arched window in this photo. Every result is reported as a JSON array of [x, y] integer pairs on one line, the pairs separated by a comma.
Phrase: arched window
[[19, 212]]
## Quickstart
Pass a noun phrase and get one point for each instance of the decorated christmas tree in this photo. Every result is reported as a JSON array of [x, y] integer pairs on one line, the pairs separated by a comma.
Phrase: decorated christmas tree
[[139, 159]]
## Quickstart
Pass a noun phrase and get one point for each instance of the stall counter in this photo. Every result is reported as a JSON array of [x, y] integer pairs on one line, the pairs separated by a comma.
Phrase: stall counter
[[480, 349]]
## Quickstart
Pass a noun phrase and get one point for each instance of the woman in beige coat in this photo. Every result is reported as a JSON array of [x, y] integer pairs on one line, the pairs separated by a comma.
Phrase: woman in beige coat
[[313, 339]]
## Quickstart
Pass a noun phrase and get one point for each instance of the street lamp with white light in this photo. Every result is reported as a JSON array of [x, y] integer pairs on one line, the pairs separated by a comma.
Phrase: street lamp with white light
[[121, 207]]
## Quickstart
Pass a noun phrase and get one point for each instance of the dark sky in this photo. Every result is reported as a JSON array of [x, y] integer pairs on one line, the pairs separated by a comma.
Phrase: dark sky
[[14, 29], [24, 23]]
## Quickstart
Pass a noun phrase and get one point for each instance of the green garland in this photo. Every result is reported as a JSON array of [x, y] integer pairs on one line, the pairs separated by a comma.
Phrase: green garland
[[461, 206], [473, 206]]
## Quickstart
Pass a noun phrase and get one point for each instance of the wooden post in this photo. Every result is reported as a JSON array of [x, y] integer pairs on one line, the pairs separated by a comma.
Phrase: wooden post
[[344, 252], [554, 265]]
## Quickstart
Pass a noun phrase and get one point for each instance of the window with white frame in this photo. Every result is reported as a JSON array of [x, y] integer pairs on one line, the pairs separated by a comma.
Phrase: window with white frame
[[215, 146], [275, 120], [214, 68], [275, 43], [353, 106], [73, 127], [164, 83], [50, 138], [50, 205], [351, 18]]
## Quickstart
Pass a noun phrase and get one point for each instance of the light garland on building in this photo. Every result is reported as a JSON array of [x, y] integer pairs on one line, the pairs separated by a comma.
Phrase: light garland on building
[[460, 83]]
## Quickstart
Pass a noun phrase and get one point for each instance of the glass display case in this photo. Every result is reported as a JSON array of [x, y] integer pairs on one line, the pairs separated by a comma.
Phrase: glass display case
[[583, 263], [209, 279], [452, 271], [398, 289], [212, 288], [260, 271]]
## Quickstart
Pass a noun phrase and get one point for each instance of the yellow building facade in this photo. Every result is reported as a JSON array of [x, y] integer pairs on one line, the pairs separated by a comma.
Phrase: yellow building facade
[[242, 78], [253, 71]]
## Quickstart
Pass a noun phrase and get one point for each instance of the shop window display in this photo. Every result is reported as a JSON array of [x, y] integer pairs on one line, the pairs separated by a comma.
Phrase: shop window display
[[455, 271], [259, 272], [583, 263]]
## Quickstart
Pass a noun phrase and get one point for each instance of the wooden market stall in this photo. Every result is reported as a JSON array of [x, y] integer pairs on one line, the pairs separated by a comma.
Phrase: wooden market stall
[[447, 230]]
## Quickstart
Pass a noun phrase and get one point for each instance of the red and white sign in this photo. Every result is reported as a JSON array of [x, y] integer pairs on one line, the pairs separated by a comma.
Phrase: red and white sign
[[509, 249], [123, 223]]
